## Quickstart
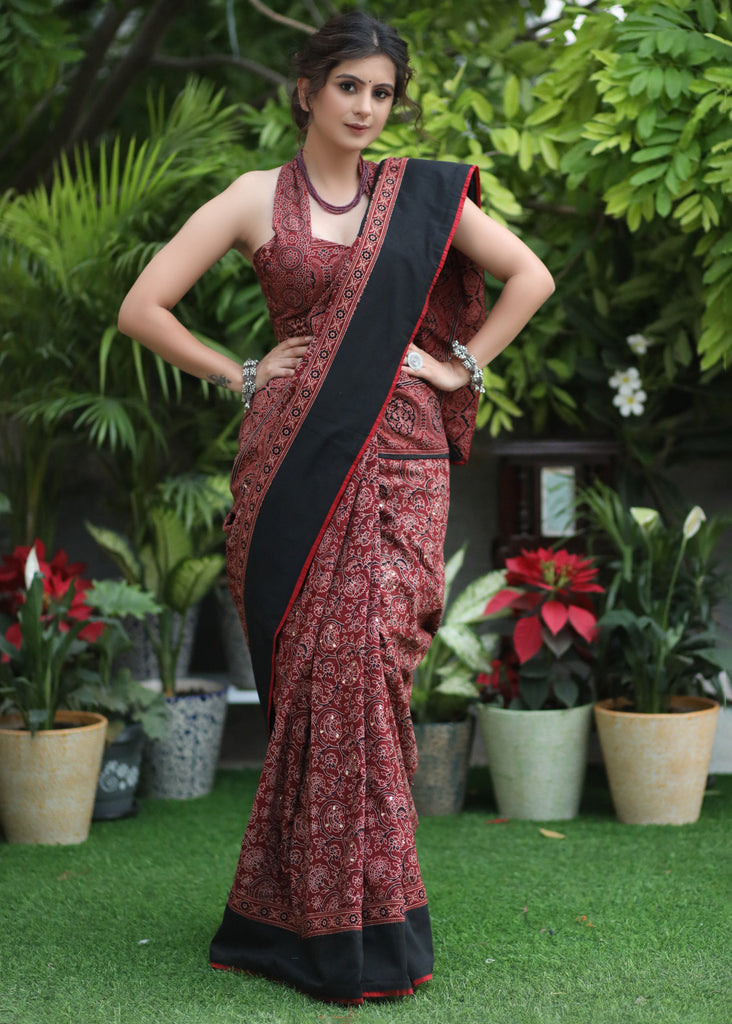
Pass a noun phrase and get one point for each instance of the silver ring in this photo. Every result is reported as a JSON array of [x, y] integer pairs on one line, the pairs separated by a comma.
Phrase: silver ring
[[415, 361]]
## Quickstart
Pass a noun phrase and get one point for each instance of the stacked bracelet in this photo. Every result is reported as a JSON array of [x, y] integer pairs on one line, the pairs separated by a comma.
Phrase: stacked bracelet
[[248, 381], [468, 361]]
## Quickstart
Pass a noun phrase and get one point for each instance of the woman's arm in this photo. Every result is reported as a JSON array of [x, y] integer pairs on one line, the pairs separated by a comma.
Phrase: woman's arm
[[527, 284], [241, 218]]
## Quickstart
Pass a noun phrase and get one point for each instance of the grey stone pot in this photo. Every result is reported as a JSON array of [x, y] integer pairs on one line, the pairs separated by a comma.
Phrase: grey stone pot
[[537, 760], [236, 651], [444, 758]]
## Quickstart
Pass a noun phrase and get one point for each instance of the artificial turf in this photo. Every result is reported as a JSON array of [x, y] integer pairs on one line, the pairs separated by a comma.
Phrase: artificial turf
[[612, 924]]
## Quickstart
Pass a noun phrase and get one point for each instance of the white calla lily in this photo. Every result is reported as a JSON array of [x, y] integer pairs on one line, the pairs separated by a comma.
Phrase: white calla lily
[[693, 521], [32, 567], [646, 518]]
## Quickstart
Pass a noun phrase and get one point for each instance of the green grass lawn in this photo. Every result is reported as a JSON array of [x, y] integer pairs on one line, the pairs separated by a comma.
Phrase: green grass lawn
[[612, 924]]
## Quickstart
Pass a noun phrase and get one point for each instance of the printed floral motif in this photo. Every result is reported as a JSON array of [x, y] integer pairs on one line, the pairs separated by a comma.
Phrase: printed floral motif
[[358, 628], [330, 842], [117, 776]]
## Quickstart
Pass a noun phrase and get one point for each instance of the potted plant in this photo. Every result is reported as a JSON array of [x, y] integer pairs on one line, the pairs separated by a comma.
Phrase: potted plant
[[657, 728], [536, 700], [444, 690], [182, 765], [133, 711], [49, 756]]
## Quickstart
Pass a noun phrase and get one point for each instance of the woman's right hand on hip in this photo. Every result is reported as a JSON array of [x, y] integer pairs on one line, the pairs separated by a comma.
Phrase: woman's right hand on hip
[[282, 360]]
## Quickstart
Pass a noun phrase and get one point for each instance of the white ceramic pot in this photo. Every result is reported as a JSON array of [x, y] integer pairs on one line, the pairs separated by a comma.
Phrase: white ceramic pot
[[183, 765], [537, 760], [721, 761]]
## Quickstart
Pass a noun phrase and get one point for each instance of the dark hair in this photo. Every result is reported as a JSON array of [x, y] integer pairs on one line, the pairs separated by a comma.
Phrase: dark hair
[[349, 36]]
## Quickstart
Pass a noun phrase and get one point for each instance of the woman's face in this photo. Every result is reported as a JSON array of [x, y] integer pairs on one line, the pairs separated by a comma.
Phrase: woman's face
[[352, 107]]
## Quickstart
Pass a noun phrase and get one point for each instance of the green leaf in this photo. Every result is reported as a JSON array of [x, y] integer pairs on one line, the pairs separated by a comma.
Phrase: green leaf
[[119, 598], [506, 140], [534, 692], [115, 545], [511, 97], [191, 580], [707, 14], [526, 151], [468, 607], [462, 685], [655, 83], [172, 543], [566, 690], [482, 108], [545, 112], [642, 156], [646, 174]]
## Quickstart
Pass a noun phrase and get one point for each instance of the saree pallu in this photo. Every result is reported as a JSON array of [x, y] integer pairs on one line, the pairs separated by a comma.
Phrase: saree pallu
[[335, 561]]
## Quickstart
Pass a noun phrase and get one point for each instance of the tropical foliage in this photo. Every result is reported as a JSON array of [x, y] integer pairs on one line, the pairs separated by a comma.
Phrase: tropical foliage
[[444, 681], [167, 566], [657, 630], [602, 135], [68, 254]]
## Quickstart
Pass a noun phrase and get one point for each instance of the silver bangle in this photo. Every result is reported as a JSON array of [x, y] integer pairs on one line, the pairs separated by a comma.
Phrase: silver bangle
[[468, 361], [248, 381]]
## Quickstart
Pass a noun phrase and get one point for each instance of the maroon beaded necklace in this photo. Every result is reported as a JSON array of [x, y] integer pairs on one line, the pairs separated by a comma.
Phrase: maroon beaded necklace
[[329, 207]]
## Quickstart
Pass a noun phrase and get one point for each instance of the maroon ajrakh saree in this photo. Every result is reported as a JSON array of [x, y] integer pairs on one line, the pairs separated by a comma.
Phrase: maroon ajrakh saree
[[334, 557]]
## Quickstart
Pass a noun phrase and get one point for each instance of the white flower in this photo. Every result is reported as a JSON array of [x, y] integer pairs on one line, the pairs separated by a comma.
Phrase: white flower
[[638, 344], [626, 380], [646, 518], [630, 402], [693, 521], [32, 567]]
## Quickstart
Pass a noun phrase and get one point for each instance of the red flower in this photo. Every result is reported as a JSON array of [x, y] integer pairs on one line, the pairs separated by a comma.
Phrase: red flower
[[58, 575], [558, 571], [503, 679], [560, 599]]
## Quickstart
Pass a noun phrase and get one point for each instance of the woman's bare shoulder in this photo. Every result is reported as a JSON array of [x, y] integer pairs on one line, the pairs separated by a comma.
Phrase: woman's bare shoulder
[[250, 199], [256, 182]]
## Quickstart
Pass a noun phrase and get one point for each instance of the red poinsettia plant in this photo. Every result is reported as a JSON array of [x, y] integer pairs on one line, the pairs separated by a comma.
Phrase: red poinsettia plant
[[47, 626], [545, 660]]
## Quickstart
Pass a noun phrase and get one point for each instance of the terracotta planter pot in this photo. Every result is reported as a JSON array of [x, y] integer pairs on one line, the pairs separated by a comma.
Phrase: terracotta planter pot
[[48, 781], [444, 758], [183, 765], [537, 760], [657, 764]]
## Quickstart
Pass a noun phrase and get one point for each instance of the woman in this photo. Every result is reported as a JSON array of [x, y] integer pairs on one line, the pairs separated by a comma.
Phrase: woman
[[374, 282]]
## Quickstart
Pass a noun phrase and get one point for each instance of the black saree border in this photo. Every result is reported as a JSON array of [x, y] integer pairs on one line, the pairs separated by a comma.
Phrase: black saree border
[[379, 961], [413, 214]]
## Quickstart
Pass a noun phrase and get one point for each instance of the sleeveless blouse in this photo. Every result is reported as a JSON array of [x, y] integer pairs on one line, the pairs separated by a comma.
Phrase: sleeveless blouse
[[299, 275]]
